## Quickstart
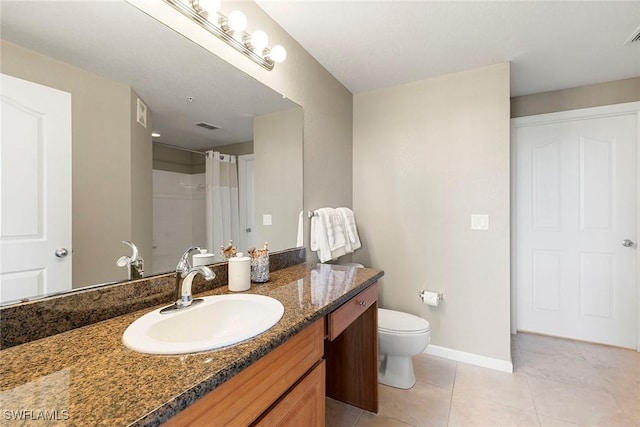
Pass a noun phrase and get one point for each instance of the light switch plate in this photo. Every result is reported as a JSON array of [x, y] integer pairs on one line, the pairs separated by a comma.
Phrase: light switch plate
[[479, 222], [266, 219]]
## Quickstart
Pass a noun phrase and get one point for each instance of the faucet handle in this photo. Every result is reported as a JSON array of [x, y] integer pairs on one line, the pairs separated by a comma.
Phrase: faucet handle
[[123, 261], [134, 262], [184, 264], [134, 249]]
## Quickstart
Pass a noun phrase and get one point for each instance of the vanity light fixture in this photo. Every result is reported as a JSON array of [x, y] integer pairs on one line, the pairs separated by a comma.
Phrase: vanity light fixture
[[208, 6], [231, 30], [237, 21], [258, 41]]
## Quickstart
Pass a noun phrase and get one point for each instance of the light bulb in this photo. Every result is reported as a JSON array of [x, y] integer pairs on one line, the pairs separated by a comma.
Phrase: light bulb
[[259, 40], [210, 6], [237, 21], [278, 53]]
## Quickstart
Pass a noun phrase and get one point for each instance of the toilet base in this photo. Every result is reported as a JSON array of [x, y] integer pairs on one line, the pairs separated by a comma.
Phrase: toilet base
[[396, 371]]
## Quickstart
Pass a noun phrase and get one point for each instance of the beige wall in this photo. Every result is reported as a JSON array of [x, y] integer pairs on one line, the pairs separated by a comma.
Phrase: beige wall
[[327, 104], [239, 149], [141, 184], [101, 160], [175, 160], [427, 155], [278, 176], [615, 92]]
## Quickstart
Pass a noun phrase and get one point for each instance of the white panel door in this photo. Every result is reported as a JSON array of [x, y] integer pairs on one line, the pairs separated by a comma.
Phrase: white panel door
[[575, 206], [35, 190]]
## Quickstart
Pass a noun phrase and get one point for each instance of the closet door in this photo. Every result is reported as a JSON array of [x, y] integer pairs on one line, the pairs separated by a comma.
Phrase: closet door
[[576, 220]]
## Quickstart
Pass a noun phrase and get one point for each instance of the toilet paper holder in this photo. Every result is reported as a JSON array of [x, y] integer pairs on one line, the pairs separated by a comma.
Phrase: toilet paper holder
[[423, 292]]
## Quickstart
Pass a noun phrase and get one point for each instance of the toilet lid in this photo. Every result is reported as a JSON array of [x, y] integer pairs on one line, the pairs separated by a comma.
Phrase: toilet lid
[[396, 321]]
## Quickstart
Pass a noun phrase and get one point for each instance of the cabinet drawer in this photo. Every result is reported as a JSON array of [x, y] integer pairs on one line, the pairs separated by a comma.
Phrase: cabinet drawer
[[304, 405], [341, 318], [247, 395]]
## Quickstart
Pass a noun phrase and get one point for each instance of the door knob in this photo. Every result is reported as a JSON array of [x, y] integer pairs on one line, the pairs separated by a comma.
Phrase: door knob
[[628, 243], [248, 230], [62, 252]]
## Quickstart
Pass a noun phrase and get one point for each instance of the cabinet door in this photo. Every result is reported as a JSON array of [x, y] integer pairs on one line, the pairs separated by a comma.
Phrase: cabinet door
[[241, 400], [303, 405]]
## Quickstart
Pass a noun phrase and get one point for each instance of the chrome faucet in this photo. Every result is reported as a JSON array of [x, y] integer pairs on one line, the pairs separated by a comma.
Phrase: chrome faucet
[[185, 273], [184, 264], [134, 263]]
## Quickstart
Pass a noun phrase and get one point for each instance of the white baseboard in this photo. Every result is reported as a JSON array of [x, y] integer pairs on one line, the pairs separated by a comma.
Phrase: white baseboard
[[470, 358]]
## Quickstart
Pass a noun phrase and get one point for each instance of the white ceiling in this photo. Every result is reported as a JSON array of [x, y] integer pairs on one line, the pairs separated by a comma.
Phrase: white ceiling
[[368, 45], [116, 40]]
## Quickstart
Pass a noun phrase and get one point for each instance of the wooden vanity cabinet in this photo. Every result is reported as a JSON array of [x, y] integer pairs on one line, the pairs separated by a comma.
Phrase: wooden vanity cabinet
[[351, 351], [303, 405], [287, 387], [290, 373]]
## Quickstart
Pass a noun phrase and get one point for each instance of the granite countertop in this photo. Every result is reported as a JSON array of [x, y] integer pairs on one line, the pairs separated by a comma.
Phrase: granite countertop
[[86, 376]]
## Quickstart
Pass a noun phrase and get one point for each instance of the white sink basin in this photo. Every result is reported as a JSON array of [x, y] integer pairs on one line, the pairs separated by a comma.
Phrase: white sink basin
[[218, 321]]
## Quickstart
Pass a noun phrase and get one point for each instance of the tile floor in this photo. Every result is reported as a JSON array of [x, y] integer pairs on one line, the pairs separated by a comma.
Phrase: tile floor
[[556, 383]]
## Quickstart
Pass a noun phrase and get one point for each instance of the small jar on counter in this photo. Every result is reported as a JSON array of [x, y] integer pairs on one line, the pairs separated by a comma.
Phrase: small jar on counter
[[259, 264]]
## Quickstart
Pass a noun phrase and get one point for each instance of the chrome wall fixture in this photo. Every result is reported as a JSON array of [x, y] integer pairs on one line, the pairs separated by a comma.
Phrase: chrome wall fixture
[[231, 30]]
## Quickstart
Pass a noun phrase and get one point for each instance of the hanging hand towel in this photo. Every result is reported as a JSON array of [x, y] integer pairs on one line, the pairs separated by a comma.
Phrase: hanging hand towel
[[349, 220], [319, 242], [334, 227], [300, 236], [334, 231], [328, 237]]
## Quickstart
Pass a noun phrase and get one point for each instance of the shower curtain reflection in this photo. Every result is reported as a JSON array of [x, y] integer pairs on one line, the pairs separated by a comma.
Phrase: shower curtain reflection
[[221, 200]]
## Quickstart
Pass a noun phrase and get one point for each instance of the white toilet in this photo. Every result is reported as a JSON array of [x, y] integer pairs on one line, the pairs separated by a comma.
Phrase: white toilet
[[400, 337]]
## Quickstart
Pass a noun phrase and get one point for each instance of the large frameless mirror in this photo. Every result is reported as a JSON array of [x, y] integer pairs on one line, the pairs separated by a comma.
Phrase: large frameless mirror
[[129, 77]]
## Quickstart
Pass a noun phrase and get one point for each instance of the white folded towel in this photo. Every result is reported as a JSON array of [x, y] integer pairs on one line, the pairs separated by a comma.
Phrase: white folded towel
[[349, 220], [333, 233], [319, 241], [327, 234], [334, 227], [300, 236]]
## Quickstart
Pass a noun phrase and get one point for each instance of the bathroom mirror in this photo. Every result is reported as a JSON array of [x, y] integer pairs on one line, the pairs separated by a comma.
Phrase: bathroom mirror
[[130, 76]]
